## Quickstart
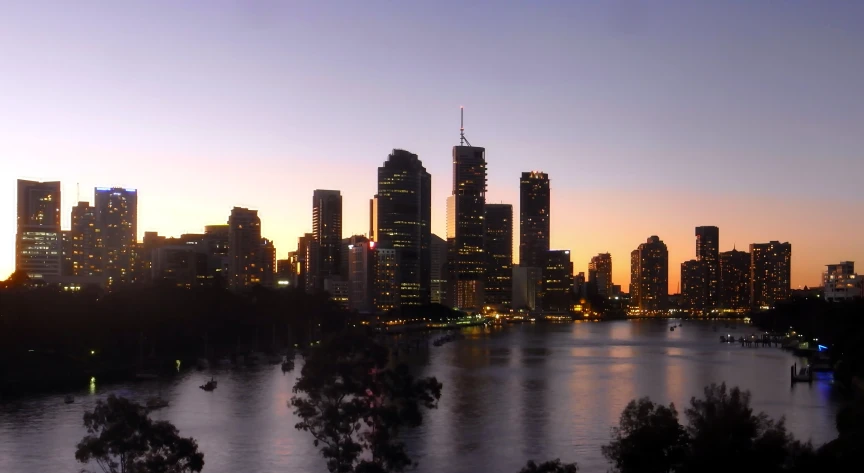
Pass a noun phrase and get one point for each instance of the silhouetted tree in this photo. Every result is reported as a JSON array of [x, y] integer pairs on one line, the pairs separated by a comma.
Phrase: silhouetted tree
[[121, 438], [726, 435], [648, 439], [552, 466], [352, 404]]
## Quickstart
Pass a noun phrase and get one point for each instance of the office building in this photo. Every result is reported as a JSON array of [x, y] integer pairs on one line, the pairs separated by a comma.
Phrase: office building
[[465, 228], [557, 282], [580, 286], [438, 270], [534, 219], [401, 218], [244, 248], [347, 243], [374, 280], [180, 265], [38, 241], [600, 275], [708, 253], [692, 297], [86, 241], [735, 280], [649, 277], [268, 263], [839, 282], [499, 255], [324, 252], [117, 219], [527, 283], [770, 274]]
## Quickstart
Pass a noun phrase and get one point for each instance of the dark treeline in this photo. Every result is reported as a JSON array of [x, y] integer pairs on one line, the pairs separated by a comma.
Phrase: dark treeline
[[49, 336], [838, 325]]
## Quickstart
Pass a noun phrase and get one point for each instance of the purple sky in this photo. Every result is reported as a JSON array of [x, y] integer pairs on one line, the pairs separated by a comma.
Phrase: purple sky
[[650, 117]]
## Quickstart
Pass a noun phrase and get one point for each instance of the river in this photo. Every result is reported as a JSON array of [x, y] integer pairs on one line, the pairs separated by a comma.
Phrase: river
[[511, 393]]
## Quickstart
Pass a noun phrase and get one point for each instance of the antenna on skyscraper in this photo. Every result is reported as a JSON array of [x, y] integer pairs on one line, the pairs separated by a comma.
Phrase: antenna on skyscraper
[[462, 140]]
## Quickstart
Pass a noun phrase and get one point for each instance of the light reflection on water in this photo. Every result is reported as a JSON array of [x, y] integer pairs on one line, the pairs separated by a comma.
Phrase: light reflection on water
[[511, 393]]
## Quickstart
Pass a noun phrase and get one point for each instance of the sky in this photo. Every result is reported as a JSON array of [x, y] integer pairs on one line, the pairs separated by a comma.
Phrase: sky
[[651, 118]]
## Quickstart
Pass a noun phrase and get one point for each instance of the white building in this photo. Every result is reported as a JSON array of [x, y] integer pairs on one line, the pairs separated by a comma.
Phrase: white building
[[840, 282]]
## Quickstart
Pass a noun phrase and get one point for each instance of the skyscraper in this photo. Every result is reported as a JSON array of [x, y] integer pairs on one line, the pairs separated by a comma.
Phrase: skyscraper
[[465, 209], [770, 273], [38, 241], [708, 252], [534, 219], [499, 254], [86, 241], [373, 278], [244, 247], [693, 286], [401, 217], [735, 280], [600, 274], [326, 248], [438, 271], [649, 277], [557, 282], [117, 217]]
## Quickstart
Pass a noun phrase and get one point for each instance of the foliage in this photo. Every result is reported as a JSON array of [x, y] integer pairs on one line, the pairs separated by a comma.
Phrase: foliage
[[648, 439], [122, 438], [354, 405], [551, 466]]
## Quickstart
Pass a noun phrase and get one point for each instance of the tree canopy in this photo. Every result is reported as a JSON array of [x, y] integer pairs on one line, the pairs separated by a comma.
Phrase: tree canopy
[[121, 438]]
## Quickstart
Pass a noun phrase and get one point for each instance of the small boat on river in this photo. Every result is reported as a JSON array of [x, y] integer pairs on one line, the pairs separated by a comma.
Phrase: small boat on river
[[209, 385]]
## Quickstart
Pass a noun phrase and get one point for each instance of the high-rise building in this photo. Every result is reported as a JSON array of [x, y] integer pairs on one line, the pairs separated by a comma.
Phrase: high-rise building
[[465, 235], [86, 241], [324, 255], [557, 282], [373, 278], [770, 273], [438, 271], [708, 252], [600, 274], [347, 243], [580, 283], [401, 219], [66, 252], [244, 248], [534, 219], [735, 280], [38, 241], [527, 282], [268, 263], [649, 277], [117, 217], [693, 286], [499, 254], [840, 282]]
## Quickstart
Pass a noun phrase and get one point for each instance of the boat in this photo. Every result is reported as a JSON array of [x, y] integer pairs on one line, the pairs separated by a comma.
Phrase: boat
[[69, 399], [209, 385], [156, 403], [672, 328], [821, 362], [287, 365], [804, 375]]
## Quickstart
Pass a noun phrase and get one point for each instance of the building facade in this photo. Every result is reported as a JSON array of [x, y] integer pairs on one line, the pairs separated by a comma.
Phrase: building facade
[[735, 280], [465, 229], [438, 271], [692, 296], [534, 218], [600, 274], [527, 284], [649, 277], [840, 282], [401, 219], [708, 253], [324, 252], [86, 241], [499, 254], [557, 282], [770, 274], [117, 216], [38, 240], [244, 248]]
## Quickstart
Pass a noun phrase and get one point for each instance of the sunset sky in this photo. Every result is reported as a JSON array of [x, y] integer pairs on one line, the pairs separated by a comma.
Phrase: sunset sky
[[649, 117]]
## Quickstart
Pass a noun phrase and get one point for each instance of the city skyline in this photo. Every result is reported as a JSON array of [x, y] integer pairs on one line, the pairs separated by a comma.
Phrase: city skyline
[[709, 145]]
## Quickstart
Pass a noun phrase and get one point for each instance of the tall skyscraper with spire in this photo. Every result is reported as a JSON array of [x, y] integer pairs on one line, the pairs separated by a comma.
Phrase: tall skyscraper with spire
[[401, 218], [465, 226]]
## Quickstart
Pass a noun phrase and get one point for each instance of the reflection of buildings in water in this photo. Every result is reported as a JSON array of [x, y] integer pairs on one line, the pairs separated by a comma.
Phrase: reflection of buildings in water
[[675, 376], [533, 390]]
